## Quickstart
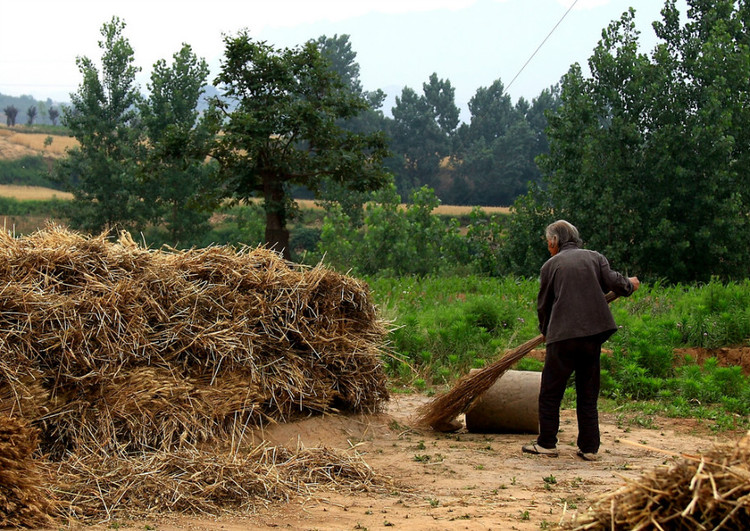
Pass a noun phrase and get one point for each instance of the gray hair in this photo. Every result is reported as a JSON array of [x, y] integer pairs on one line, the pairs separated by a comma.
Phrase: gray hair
[[562, 232]]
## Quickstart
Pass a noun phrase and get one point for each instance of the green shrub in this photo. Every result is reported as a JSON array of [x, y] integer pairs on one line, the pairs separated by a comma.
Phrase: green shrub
[[27, 171]]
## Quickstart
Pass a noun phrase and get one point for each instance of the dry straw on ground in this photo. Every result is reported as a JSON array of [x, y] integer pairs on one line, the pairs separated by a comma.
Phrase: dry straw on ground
[[202, 482], [708, 492], [118, 350]]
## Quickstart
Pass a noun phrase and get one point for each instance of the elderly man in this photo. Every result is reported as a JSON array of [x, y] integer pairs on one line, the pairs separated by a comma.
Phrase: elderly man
[[575, 319]]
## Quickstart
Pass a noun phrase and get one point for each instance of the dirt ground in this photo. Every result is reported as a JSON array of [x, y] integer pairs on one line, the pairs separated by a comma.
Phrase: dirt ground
[[461, 480]]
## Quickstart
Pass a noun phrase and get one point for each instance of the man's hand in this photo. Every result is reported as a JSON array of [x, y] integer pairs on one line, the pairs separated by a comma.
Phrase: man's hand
[[635, 282]]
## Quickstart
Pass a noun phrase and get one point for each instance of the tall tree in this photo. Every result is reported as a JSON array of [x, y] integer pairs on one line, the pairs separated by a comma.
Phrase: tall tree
[[421, 132], [10, 115], [102, 172], [30, 115], [497, 148], [279, 118], [53, 115], [179, 142], [338, 51], [649, 156]]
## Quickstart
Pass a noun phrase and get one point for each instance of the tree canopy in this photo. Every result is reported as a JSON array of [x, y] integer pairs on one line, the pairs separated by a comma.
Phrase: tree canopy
[[278, 125], [648, 155], [102, 171]]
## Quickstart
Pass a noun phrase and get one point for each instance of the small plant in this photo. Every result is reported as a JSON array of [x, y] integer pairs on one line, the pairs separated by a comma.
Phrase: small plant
[[525, 515], [422, 458]]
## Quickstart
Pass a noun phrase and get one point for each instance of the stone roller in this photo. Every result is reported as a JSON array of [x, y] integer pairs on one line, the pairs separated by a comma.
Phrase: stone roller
[[511, 405]]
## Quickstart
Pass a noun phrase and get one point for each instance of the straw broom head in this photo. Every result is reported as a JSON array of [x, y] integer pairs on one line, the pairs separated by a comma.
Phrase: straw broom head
[[461, 397]]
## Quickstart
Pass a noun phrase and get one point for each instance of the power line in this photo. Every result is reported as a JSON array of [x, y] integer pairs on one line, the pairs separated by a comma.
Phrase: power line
[[542, 44]]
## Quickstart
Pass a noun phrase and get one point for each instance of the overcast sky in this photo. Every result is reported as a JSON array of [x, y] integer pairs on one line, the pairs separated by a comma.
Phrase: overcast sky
[[398, 42]]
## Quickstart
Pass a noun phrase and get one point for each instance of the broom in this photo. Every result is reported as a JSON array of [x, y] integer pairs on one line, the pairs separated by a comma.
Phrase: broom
[[439, 413]]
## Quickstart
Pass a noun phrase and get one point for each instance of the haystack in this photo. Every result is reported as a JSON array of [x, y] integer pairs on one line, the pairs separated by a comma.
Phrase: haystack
[[137, 363], [711, 491], [111, 345]]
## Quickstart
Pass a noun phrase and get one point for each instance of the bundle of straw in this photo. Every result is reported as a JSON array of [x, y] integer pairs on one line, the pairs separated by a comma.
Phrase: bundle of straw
[[698, 492], [106, 344], [24, 502], [439, 412]]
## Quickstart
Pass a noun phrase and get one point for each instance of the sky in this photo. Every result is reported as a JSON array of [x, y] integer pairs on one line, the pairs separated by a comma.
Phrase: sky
[[527, 44]]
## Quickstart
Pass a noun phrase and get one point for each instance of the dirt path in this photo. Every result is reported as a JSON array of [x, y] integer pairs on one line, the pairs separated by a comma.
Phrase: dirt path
[[462, 480]]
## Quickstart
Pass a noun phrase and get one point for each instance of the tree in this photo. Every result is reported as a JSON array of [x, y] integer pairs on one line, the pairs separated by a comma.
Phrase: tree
[[338, 51], [421, 131], [279, 119], [441, 97], [649, 156], [179, 142], [103, 172], [30, 115], [10, 115], [498, 147], [53, 115]]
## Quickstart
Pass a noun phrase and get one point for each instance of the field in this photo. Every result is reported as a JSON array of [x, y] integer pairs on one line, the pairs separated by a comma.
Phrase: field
[[32, 193], [17, 144]]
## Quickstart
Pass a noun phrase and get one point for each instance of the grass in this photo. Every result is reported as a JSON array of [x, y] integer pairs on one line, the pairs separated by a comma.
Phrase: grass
[[444, 326]]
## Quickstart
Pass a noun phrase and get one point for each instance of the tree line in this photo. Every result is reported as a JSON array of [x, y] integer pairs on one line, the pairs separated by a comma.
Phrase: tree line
[[26, 110], [646, 155]]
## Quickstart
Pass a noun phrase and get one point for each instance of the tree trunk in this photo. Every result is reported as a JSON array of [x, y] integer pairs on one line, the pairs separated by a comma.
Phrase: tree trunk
[[274, 203]]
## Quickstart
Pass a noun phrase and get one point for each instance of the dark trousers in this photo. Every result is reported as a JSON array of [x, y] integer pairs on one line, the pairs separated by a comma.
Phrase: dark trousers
[[579, 355]]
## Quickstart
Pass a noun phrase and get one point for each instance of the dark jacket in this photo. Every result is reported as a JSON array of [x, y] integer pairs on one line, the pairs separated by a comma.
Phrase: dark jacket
[[571, 300]]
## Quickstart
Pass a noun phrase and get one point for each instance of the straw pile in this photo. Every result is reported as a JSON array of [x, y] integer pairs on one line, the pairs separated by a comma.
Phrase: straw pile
[[704, 492], [23, 500], [108, 345], [141, 371], [194, 482]]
